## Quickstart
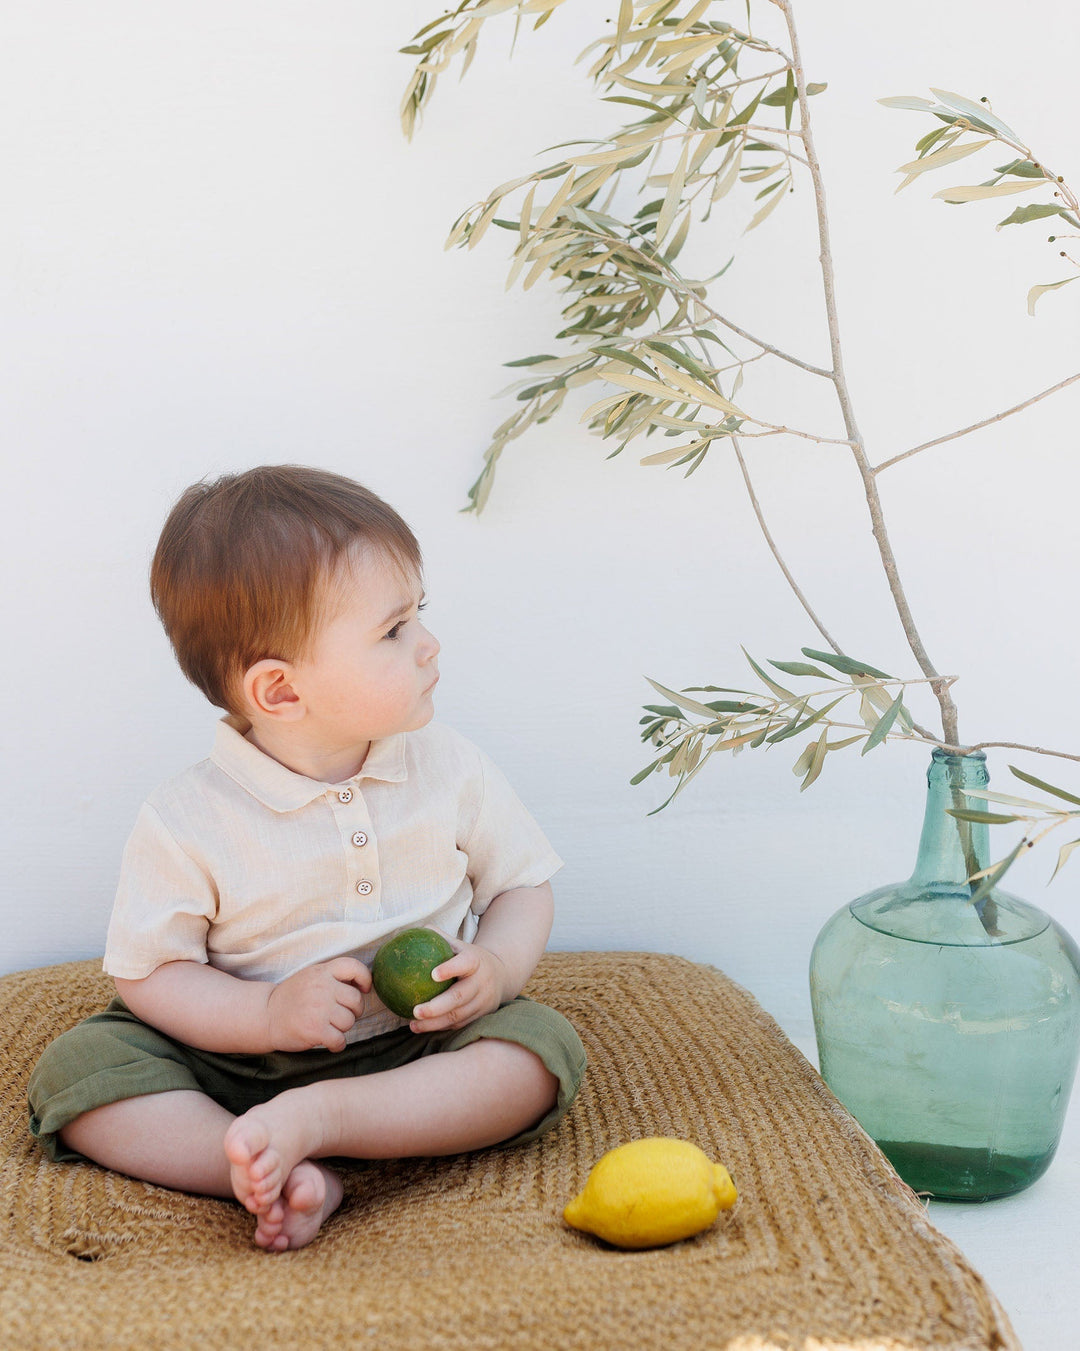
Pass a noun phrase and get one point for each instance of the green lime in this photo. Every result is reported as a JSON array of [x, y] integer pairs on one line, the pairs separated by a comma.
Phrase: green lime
[[401, 971]]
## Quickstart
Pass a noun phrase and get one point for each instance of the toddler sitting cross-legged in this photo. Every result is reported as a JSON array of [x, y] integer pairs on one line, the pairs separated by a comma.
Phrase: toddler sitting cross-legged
[[246, 1044]]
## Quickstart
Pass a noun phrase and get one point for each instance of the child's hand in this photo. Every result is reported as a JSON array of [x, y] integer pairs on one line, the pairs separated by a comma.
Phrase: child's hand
[[317, 1006], [479, 987]]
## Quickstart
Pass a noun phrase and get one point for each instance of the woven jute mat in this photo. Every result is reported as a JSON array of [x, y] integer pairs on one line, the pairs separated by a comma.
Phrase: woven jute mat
[[826, 1250]]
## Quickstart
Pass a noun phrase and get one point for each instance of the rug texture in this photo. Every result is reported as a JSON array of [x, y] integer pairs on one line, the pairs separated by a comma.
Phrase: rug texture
[[825, 1250]]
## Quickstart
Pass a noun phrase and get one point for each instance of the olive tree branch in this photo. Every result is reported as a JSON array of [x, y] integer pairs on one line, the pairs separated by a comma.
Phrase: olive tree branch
[[975, 426], [764, 346], [611, 305], [681, 285], [793, 431], [799, 594], [1007, 745], [888, 558]]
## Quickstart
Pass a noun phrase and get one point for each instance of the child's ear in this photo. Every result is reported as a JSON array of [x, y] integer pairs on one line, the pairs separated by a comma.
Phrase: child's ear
[[269, 692]]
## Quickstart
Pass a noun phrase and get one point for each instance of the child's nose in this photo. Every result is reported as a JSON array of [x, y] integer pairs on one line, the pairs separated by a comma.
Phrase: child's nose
[[430, 645]]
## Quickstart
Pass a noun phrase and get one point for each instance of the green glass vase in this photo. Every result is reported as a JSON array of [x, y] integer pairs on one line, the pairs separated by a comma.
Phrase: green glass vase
[[950, 1030]]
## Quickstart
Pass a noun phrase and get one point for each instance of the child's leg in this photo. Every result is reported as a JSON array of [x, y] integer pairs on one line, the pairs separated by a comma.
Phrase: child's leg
[[177, 1139], [480, 1095], [173, 1139]]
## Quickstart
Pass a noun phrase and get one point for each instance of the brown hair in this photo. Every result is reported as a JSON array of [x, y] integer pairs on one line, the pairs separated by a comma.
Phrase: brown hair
[[241, 568]]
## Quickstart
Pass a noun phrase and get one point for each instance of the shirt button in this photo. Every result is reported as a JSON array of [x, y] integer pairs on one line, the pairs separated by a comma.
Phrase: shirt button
[[359, 839], [345, 795], [364, 888]]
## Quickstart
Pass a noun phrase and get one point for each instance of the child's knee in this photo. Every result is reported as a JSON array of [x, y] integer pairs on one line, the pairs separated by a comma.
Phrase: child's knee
[[74, 1135], [104, 1059], [526, 1064]]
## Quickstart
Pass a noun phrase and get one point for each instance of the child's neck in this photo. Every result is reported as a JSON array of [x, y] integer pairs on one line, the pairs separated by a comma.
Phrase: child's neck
[[325, 764]]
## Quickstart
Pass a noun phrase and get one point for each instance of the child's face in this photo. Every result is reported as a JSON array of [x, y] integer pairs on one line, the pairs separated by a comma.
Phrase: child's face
[[372, 667]]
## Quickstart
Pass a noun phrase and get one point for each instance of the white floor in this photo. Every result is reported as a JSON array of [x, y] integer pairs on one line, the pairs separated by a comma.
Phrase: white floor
[[1026, 1247]]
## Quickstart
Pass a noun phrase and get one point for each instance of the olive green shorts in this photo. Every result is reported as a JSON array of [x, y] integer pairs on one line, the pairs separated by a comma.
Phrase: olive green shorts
[[113, 1055]]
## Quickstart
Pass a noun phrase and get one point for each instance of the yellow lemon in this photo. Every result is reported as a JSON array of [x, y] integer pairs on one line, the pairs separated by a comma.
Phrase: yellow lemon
[[651, 1192]]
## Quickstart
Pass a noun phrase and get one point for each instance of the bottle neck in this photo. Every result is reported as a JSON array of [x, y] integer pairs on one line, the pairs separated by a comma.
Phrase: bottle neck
[[951, 850]]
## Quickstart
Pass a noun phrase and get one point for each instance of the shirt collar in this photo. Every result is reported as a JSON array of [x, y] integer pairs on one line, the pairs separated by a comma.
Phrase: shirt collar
[[283, 790]]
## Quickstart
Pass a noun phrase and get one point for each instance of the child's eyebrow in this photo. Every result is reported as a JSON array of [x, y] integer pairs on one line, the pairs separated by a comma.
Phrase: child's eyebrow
[[403, 609]]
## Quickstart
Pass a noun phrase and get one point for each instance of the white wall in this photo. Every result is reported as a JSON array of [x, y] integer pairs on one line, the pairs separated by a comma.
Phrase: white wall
[[220, 251]]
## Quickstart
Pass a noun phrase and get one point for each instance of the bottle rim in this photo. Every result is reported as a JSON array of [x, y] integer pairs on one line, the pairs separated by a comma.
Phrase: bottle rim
[[945, 757]]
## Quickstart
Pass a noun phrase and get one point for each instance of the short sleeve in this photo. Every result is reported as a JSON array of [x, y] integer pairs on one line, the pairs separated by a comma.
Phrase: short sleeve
[[164, 903], [505, 846]]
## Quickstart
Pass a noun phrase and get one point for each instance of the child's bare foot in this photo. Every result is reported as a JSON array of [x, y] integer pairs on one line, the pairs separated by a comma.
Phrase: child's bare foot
[[311, 1193], [263, 1147]]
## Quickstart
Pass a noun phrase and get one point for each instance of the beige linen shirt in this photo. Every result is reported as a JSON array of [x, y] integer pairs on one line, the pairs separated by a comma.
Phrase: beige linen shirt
[[241, 863]]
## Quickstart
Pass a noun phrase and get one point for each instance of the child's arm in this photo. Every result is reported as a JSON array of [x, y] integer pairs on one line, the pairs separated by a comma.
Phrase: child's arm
[[213, 1011], [511, 937]]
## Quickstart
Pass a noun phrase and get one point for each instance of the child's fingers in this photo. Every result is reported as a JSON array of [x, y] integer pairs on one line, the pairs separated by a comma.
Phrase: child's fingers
[[458, 944], [463, 963], [349, 997], [441, 1003], [451, 1005], [342, 1019], [350, 970], [456, 1017], [334, 1038]]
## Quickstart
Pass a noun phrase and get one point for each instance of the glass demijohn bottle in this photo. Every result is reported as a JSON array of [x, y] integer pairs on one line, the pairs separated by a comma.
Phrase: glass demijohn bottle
[[950, 1031]]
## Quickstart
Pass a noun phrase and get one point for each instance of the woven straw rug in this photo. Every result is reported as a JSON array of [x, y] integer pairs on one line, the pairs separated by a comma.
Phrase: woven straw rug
[[826, 1250]]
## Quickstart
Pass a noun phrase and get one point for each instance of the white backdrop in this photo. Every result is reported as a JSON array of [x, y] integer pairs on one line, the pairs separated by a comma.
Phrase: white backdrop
[[220, 251]]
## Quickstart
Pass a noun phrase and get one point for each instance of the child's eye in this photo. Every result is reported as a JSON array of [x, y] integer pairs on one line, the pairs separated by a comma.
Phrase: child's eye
[[395, 632]]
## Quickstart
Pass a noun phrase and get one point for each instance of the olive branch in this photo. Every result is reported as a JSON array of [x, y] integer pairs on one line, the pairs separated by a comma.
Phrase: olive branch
[[765, 720], [719, 110]]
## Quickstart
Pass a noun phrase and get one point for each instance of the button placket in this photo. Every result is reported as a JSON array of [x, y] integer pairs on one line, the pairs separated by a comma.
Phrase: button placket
[[361, 855]]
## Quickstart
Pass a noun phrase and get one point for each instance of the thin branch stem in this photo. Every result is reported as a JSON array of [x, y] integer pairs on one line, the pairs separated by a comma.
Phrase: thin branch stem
[[799, 595], [686, 131], [749, 337], [656, 261], [737, 365], [975, 426], [1006, 745], [873, 500], [774, 131], [685, 729], [792, 431]]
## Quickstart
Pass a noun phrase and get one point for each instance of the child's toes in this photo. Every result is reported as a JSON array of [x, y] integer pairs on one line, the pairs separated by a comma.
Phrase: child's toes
[[264, 1163], [268, 1232], [245, 1140], [267, 1191], [305, 1190]]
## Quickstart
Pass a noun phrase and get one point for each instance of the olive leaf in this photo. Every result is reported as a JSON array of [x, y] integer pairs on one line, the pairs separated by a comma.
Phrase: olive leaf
[[982, 818], [884, 724], [992, 876], [981, 191], [977, 113], [848, 665], [1046, 787], [1037, 291], [817, 760], [1063, 856], [799, 668], [1037, 211], [947, 156]]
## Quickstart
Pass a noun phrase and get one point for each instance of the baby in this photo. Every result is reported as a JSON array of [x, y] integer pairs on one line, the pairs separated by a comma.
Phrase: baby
[[246, 1044]]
